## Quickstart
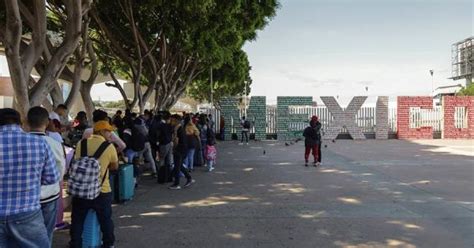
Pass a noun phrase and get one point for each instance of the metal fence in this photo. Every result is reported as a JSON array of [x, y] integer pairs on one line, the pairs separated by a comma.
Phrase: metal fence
[[427, 118], [365, 118]]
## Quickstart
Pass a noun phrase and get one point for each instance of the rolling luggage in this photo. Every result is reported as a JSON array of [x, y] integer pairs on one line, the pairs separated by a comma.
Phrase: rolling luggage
[[91, 235], [126, 184]]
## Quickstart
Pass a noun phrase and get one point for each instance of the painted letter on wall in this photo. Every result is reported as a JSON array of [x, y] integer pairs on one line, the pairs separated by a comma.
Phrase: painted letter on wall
[[405, 103], [343, 118], [458, 117]]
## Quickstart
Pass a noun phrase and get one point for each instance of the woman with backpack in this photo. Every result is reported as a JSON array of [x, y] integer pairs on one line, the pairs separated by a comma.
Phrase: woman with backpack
[[312, 141], [193, 142]]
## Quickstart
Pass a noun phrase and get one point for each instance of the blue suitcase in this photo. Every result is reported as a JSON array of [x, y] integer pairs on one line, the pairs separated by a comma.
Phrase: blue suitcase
[[126, 183], [91, 235]]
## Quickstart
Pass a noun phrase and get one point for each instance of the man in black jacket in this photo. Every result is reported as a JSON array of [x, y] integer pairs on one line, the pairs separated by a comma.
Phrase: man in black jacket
[[165, 137], [312, 141]]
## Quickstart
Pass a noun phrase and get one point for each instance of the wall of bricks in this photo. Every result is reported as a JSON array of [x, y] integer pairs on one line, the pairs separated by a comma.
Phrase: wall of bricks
[[230, 111], [449, 104], [284, 118], [381, 118], [404, 103], [257, 113]]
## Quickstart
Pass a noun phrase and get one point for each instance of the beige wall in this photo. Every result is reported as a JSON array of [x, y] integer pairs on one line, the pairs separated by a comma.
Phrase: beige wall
[[6, 88]]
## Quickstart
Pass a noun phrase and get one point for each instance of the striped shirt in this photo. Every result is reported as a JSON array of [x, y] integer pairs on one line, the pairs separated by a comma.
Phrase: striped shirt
[[26, 163]]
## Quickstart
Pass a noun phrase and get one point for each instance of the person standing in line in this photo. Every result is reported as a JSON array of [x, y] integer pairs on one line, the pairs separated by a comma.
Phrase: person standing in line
[[211, 151], [165, 137], [222, 127], [179, 152], [193, 143], [102, 204], [50, 194], [27, 162], [245, 124], [211, 122], [100, 115], [118, 121], [312, 140]]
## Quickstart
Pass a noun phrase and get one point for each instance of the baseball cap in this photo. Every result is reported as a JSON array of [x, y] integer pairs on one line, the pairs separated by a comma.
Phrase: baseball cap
[[103, 125]]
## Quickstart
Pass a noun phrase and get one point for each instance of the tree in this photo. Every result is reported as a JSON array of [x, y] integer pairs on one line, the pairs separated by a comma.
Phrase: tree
[[170, 44], [23, 32], [229, 80], [467, 91]]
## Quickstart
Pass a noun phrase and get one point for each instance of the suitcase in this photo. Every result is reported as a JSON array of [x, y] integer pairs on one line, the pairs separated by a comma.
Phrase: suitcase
[[91, 235], [126, 184]]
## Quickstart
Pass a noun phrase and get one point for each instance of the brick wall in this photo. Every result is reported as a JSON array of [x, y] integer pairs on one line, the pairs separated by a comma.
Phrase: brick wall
[[449, 104], [230, 111], [404, 103], [284, 118], [381, 131], [257, 113]]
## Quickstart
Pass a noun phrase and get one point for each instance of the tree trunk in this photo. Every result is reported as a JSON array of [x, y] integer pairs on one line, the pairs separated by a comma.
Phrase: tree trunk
[[76, 86], [57, 95], [87, 99]]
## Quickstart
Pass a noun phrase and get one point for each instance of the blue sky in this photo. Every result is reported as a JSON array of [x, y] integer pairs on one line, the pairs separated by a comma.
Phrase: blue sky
[[338, 47]]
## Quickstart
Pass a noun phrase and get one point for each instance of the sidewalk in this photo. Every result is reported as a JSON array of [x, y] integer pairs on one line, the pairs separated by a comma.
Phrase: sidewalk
[[367, 194]]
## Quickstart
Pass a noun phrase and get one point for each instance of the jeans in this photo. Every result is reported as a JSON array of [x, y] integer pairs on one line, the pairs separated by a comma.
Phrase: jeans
[[189, 160], [26, 230], [166, 155], [102, 205], [130, 154], [49, 211], [178, 167], [246, 134], [210, 164]]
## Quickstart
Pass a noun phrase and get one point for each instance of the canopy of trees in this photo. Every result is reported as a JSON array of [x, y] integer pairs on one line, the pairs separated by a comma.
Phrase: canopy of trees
[[168, 46]]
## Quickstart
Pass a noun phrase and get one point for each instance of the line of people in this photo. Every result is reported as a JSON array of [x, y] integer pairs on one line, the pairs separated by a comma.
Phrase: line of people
[[35, 157]]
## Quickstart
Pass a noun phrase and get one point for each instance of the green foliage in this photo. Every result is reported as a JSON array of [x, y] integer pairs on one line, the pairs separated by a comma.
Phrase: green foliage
[[229, 80], [467, 91]]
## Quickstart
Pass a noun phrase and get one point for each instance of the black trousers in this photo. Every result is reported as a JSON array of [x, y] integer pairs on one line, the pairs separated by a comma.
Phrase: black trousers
[[246, 134], [178, 167], [102, 205]]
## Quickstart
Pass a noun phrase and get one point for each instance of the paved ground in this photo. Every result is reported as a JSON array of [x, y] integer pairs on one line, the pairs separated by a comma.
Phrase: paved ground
[[367, 194]]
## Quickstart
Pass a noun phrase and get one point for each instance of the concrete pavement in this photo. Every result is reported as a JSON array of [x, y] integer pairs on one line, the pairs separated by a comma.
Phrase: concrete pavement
[[367, 194]]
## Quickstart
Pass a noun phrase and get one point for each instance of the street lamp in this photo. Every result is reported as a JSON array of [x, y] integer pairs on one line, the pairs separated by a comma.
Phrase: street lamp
[[432, 81]]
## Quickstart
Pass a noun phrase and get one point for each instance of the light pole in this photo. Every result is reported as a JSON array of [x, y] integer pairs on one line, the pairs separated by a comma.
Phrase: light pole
[[212, 90], [245, 98], [432, 81]]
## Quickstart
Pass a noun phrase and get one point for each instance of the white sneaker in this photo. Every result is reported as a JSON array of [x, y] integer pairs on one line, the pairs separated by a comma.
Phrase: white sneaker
[[210, 169], [247, 143]]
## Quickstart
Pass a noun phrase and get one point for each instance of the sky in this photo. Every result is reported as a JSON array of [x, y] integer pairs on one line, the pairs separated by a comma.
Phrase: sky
[[340, 47]]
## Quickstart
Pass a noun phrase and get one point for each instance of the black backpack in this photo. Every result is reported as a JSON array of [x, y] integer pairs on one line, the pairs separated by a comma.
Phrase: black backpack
[[246, 124], [138, 140]]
